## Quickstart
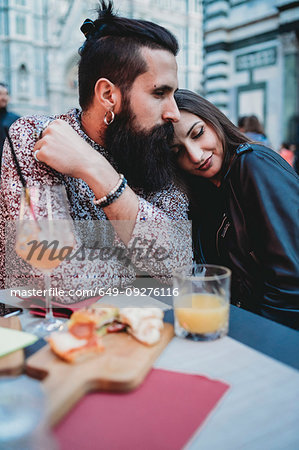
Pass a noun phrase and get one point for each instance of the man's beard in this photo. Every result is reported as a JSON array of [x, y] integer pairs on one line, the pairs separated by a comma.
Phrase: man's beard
[[144, 157]]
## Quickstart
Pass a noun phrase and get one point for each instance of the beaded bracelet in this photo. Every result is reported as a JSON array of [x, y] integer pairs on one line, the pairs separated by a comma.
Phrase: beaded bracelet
[[113, 194]]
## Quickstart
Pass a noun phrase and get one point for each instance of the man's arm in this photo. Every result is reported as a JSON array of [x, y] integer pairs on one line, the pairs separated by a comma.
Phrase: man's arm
[[65, 151], [75, 274], [159, 225]]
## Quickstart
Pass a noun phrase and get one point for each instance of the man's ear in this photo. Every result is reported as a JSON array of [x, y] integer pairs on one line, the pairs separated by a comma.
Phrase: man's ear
[[107, 94]]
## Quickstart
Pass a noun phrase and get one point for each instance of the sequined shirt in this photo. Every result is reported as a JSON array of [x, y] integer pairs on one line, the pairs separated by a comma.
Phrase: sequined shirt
[[162, 219]]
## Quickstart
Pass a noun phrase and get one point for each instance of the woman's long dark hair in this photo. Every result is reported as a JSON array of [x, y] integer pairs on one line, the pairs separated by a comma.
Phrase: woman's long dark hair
[[227, 132]]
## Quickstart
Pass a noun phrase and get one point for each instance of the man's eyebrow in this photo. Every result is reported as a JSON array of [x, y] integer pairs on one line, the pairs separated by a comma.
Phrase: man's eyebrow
[[188, 132], [164, 87]]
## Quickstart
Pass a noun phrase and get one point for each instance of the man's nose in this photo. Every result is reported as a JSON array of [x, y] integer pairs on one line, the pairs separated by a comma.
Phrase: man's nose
[[171, 112]]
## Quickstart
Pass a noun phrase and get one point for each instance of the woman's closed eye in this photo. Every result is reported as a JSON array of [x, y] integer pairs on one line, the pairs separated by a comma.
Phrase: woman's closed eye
[[197, 135]]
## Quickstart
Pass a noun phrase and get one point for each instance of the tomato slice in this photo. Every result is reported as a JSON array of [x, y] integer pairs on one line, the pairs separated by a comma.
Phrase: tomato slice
[[115, 327]]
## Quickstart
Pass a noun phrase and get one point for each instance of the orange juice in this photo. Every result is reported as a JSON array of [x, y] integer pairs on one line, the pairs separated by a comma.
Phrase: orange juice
[[44, 261], [203, 313]]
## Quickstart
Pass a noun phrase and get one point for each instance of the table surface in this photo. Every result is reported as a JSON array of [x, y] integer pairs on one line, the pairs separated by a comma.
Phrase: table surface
[[261, 408], [270, 338]]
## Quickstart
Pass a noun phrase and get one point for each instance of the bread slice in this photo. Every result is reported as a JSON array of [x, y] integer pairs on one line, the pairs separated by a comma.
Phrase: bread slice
[[144, 324], [134, 316], [148, 332], [71, 349]]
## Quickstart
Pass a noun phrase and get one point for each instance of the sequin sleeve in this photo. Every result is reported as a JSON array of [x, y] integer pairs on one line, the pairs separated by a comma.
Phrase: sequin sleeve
[[161, 240], [76, 275]]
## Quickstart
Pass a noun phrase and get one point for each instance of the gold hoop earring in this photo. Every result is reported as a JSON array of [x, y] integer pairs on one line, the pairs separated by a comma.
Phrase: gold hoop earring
[[110, 120]]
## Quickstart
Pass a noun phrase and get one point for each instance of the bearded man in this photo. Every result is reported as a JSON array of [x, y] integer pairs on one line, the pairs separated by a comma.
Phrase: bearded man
[[127, 80]]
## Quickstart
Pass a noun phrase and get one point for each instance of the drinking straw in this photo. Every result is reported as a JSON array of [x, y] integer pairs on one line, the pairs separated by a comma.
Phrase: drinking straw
[[23, 181], [15, 159]]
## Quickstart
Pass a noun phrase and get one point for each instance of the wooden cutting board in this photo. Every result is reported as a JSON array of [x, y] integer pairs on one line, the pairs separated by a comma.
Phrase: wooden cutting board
[[120, 368], [13, 363]]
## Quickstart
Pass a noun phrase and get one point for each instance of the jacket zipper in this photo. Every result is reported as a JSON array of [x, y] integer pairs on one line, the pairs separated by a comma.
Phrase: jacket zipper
[[217, 234], [252, 254]]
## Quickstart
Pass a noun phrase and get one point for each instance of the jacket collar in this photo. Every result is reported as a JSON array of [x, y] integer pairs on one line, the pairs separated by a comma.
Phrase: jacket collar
[[243, 148]]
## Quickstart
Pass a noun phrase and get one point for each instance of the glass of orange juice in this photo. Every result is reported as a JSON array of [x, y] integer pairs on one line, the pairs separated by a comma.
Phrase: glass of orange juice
[[201, 298]]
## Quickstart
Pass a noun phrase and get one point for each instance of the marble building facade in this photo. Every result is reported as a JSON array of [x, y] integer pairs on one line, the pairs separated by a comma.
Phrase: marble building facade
[[39, 41], [251, 62]]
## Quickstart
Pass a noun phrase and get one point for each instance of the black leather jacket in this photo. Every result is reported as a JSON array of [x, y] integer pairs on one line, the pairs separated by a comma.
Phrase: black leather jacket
[[252, 222], [6, 119]]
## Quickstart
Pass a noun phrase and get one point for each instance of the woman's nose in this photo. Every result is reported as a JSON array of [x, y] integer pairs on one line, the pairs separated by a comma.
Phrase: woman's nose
[[194, 154]]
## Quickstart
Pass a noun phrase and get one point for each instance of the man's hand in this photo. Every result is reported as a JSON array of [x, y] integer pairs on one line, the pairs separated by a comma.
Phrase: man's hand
[[64, 150]]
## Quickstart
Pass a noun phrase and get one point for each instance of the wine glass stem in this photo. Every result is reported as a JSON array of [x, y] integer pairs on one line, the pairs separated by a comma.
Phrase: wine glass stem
[[49, 310]]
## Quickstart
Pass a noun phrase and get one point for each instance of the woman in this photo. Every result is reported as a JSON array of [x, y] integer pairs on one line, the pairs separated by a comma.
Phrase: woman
[[244, 207]]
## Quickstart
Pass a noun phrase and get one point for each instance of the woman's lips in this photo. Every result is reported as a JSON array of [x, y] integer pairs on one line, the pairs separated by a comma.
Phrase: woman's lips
[[206, 164]]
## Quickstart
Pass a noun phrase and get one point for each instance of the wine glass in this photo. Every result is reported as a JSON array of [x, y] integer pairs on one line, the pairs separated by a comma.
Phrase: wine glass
[[44, 238]]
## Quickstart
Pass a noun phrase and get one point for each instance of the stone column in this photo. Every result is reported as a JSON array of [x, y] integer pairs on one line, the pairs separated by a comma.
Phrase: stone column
[[290, 47]]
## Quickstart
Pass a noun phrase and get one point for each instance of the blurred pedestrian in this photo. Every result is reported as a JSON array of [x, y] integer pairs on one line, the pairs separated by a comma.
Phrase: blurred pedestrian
[[255, 131], [6, 117], [241, 123], [287, 151]]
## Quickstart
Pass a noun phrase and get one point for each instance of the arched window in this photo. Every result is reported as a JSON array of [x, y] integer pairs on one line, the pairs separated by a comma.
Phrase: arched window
[[20, 24]]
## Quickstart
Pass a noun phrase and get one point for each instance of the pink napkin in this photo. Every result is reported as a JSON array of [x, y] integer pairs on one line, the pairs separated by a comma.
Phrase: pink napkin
[[163, 413], [37, 306]]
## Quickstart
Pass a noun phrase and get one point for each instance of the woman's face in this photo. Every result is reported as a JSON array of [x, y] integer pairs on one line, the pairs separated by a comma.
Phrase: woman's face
[[198, 148]]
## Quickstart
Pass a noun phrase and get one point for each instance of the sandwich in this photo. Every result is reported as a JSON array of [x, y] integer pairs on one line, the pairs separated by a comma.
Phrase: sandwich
[[82, 339], [84, 323], [144, 324], [87, 326]]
